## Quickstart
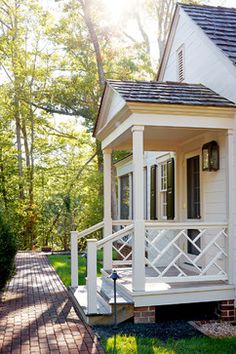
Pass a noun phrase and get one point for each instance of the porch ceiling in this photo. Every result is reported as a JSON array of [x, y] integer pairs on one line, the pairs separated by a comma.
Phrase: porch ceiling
[[159, 138]]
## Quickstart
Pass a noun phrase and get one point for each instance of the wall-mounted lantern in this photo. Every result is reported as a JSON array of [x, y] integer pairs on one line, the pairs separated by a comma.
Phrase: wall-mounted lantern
[[210, 156]]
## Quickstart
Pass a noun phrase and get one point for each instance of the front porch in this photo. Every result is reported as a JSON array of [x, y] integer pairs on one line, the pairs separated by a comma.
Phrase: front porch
[[171, 276], [187, 258]]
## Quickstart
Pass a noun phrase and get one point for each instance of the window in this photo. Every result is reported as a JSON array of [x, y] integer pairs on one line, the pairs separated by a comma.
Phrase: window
[[124, 197], [180, 64], [164, 190]]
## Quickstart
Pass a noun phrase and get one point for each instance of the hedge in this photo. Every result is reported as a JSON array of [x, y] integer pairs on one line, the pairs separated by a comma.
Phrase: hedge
[[7, 252]]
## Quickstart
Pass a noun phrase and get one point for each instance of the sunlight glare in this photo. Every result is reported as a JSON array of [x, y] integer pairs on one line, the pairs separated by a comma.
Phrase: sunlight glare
[[117, 8]]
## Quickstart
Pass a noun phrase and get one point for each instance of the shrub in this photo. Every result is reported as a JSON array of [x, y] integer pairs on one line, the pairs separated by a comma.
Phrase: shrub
[[7, 252]]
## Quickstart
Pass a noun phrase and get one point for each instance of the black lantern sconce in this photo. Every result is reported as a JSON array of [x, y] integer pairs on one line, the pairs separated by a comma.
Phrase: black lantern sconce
[[210, 156]]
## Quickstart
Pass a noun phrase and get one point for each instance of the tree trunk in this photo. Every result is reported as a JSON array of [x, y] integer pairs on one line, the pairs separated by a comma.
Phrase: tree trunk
[[86, 6], [3, 180]]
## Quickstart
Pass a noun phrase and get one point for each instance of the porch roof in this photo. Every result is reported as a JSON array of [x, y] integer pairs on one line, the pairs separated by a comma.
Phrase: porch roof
[[168, 93]]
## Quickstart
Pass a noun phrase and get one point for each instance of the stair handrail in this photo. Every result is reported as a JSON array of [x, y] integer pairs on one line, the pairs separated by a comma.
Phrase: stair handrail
[[116, 236], [88, 231], [92, 246], [75, 236]]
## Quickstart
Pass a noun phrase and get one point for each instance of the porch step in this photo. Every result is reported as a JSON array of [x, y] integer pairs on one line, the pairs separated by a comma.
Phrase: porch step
[[105, 288], [105, 304]]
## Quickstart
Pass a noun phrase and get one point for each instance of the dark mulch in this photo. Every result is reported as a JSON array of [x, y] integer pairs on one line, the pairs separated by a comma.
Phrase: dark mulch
[[161, 330]]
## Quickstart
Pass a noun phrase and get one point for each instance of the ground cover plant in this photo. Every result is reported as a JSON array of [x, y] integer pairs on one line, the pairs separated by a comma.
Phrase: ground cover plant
[[133, 345]]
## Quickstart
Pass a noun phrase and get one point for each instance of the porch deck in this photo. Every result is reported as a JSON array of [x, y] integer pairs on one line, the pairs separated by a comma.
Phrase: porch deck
[[163, 293]]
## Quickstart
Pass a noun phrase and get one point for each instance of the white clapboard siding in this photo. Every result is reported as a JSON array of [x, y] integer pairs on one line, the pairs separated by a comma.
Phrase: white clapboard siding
[[204, 62]]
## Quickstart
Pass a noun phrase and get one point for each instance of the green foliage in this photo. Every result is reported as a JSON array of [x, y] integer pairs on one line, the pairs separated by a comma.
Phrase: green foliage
[[48, 184], [7, 251], [133, 345]]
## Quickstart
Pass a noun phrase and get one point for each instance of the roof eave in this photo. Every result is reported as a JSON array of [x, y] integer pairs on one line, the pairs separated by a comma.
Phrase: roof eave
[[173, 26], [99, 110]]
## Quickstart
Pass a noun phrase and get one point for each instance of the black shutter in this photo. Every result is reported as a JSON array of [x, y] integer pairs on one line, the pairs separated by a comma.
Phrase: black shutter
[[153, 193], [170, 189]]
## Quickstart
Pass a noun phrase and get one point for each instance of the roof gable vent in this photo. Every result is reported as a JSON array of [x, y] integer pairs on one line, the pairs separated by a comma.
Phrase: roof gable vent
[[180, 64]]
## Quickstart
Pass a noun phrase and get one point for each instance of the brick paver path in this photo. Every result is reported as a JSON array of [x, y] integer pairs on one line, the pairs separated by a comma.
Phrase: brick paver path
[[36, 315]]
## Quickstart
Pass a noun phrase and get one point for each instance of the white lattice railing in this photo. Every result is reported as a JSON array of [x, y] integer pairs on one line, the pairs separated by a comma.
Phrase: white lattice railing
[[173, 256], [122, 248]]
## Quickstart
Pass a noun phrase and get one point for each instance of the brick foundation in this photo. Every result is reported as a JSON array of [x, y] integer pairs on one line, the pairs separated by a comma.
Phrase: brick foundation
[[226, 310], [144, 314]]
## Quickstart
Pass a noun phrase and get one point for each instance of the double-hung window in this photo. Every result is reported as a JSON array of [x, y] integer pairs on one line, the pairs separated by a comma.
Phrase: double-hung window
[[163, 190]]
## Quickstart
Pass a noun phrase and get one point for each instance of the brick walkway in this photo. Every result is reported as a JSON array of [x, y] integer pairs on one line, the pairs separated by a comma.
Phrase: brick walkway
[[36, 315]]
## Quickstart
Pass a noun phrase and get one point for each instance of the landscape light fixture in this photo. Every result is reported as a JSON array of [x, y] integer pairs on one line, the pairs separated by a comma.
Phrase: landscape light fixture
[[114, 276]]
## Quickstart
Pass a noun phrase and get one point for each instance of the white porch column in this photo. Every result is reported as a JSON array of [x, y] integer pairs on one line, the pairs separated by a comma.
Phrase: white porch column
[[92, 276], [138, 197], [107, 250], [74, 259], [230, 199]]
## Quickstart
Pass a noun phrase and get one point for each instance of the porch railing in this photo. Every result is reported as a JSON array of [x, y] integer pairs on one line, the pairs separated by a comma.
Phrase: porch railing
[[178, 252], [174, 252]]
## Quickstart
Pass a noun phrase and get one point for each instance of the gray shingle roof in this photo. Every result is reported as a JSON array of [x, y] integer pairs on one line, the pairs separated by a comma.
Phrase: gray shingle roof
[[169, 93], [219, 23]]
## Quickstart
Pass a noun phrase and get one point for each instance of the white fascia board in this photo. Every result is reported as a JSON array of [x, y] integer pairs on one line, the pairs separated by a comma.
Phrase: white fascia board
[[184, 296], [168, 120], [168, 45], [112, 104]]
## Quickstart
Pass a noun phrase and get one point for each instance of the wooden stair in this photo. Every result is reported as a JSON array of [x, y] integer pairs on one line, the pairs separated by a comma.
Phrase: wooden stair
[[105, 303]]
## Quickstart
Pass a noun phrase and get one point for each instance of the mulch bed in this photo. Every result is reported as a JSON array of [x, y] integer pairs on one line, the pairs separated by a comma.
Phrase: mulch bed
[[161, 330]]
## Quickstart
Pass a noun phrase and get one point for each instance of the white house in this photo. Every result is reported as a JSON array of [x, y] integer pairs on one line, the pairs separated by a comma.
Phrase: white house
[[176, 238]]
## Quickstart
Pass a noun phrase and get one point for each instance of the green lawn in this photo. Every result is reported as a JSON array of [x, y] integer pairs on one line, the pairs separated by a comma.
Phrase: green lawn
[[61, 263], [205, 345]]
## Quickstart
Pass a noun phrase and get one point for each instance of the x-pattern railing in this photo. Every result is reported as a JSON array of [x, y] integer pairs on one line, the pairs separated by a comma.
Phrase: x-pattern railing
[[167, 251], [123, 246]]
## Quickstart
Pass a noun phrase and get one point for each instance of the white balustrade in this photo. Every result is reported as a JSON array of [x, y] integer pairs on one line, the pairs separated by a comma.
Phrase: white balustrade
[[169, 257]]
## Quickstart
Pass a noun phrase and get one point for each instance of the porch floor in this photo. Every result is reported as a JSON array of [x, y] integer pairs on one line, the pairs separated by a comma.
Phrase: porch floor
[[153, 285]]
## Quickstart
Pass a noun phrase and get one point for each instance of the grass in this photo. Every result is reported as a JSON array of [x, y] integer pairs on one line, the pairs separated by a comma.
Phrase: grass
[[61, 263], [133, 345]]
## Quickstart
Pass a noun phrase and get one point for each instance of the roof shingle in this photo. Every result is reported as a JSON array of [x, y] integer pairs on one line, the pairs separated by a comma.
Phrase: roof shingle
[[219, 23], [168, 93]]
